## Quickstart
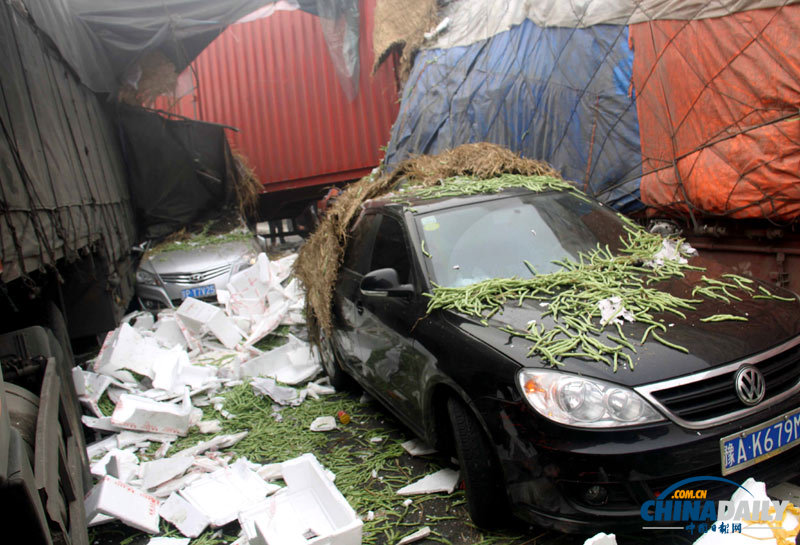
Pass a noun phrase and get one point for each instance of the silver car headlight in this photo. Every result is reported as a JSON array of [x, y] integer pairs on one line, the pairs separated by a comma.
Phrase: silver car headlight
[[146, 278], [584, 402]]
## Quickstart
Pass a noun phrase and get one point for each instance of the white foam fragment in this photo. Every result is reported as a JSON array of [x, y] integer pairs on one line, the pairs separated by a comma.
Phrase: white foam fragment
[[222, 495], [160, 471], [169, 334], [102, 423], [127, 349], [126, 462], [201, 317], [601, 539], [270, 472], [417, 447], [612, 311], [444, 480], [209, 426], [291, 363], [323, 423], [215, 443], [187, 519], [283, 395], [114, 498], [422, 533], [142, 414], [168, 541]]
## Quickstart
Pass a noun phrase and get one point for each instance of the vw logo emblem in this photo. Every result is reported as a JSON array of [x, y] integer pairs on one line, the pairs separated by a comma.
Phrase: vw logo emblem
[[750, 385]]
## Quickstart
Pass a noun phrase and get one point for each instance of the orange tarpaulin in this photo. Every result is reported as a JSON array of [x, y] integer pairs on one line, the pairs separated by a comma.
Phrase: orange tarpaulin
[[718, 102]]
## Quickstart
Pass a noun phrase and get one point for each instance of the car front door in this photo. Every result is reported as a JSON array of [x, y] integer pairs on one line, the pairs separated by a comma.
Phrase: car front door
[[392, 364]]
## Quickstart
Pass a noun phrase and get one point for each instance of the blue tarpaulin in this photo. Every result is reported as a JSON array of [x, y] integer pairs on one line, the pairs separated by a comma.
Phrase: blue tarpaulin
[[562, 95]]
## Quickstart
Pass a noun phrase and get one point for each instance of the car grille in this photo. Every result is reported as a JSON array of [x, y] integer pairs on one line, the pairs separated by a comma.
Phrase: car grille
[[195, 277], [707, 397]]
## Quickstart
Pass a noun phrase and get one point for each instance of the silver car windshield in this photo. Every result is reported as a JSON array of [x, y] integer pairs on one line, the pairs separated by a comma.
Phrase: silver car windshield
[[493, 238]]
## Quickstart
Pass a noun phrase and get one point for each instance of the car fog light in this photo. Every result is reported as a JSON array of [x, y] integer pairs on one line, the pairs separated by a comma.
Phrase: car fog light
[[596, 495]]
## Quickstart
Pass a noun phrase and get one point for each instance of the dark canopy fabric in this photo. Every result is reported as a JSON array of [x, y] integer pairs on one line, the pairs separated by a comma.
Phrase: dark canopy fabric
[[100, 39]]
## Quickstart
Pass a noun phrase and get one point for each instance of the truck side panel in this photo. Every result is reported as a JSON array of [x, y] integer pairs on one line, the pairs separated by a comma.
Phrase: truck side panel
[[63, 179]]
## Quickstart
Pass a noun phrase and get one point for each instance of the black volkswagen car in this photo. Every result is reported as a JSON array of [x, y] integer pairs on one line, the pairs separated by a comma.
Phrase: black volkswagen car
[[578, 446]]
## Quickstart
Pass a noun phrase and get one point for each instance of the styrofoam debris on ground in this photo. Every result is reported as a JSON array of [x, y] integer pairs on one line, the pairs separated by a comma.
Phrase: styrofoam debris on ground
[[444, 480], [323, 423], [158, 472], [201, 317], [601, 539], [222, 495], [90, 387], [209, 426], [215, 443], [282, 395], [187, 519], [422, 533], [168, 541], [311, 509], [291, 363], [102, 423], [141, 414], [417, 447], [126, 461], [112, 497]]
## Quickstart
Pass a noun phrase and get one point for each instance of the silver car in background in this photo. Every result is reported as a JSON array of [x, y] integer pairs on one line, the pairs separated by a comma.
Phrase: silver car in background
[[179, 270]]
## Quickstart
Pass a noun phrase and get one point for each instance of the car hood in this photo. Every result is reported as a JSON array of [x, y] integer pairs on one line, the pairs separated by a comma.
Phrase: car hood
[[199, 258], [770, 322]]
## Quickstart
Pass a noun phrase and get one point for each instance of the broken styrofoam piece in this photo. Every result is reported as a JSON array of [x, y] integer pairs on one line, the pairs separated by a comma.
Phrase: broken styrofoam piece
[[266, 324], [444, 480], [612, 311], [209, 426], [270, 472], [215, 443], [89, 385], [127, 464], [602, 539], [114, 498], [128, 349], [183, 515], [323, 423], [310, 510], [175, 485], [143, 414], [222, 495], [671, 250], [283, 395], [316, 389], [100, 518], [160, 471], [169, 333], [422, 533], [417, 447], [247, 522], [141, 320], [282, 268], [201, 317], [291, 363], [102, 423], [168, 541]]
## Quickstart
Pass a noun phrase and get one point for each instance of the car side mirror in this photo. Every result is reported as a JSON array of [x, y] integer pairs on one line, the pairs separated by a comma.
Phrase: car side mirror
[[384, 283]]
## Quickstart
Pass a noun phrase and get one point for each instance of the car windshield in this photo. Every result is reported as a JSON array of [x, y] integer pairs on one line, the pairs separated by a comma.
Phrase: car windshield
[[493, 238]]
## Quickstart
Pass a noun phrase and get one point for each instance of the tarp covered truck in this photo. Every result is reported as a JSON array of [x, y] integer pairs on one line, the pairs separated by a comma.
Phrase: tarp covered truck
[[679, 111]]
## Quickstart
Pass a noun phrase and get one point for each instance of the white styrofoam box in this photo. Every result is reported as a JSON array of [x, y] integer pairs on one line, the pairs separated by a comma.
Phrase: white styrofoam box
[[311, 510], [114, 498], [199, 317], [222, 495], [248, 306], [291, 363], [169, 334], [248, 283], [186, 518], [142, 414]]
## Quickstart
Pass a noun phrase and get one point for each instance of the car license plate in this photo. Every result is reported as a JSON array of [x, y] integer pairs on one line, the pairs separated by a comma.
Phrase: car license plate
[[199, 291], [759, 443]]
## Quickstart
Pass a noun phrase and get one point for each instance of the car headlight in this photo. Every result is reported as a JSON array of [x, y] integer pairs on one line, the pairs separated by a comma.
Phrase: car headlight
[[146, 278], [584, 402]]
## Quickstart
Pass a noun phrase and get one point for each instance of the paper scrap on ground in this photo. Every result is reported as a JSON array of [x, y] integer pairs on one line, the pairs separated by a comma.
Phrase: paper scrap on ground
[[444, 480]]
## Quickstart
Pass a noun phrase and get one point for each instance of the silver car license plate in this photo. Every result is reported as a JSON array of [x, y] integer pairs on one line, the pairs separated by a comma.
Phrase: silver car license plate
[[199, 291]]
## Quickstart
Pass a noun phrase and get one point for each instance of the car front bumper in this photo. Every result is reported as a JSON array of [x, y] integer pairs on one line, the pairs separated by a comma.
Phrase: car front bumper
[[589, 480]]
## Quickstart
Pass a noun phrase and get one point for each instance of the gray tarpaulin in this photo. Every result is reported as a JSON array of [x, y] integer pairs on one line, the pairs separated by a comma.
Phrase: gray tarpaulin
[[100, 39]]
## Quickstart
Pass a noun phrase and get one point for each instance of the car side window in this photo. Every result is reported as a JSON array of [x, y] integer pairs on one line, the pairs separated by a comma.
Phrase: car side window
[[390, 250], [356, 257]]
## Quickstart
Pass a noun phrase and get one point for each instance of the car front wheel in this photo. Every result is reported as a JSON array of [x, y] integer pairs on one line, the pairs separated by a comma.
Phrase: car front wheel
[[487, 500]]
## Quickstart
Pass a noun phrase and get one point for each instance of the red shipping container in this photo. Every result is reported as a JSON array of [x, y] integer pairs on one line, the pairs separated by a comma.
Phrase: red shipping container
[[273, 79]]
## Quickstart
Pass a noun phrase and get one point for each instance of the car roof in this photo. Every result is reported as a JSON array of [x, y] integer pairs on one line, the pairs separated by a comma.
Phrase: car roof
[[398, 202]]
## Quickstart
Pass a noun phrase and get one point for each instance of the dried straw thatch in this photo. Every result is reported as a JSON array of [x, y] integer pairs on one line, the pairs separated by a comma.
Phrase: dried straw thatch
[[158, 77], [248, 187], [402, 26], [320, 258]]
